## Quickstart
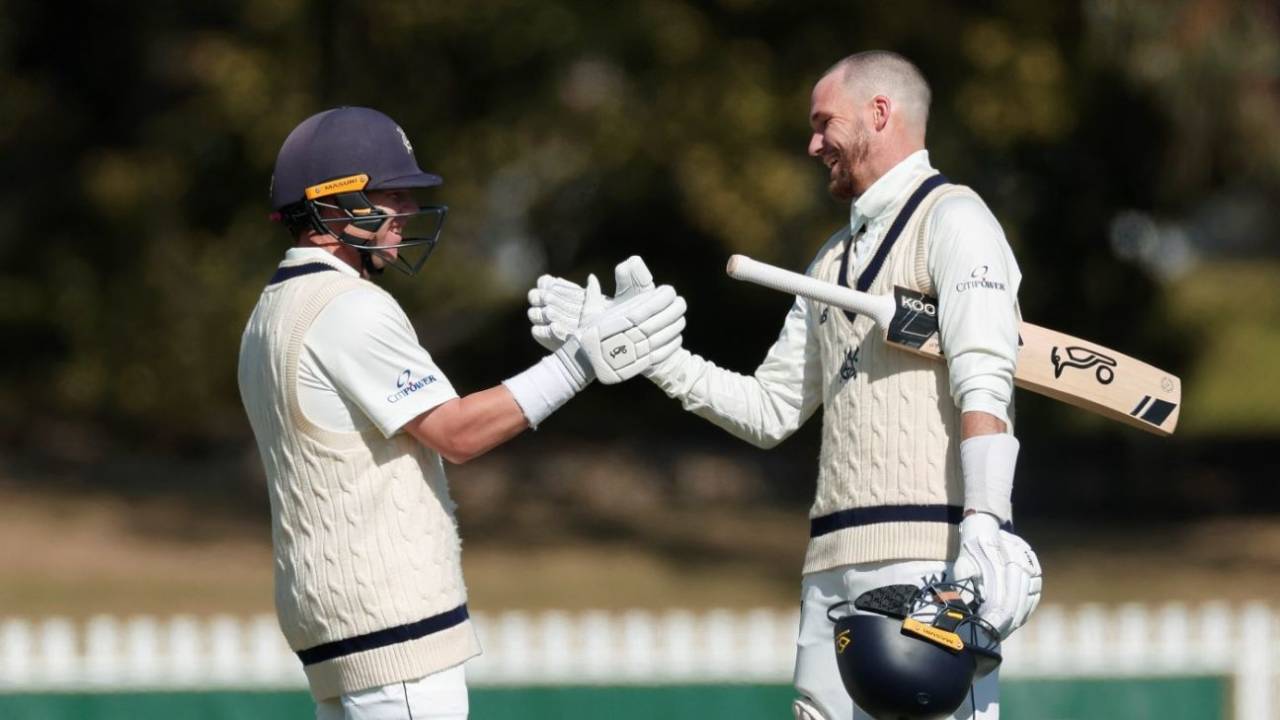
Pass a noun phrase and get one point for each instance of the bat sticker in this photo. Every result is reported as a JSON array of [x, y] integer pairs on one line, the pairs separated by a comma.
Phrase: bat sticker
[[1084, 358], [1153, 411], [915, 318]]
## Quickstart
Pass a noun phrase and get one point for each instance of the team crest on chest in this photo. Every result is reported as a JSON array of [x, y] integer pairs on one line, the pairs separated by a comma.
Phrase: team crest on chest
[[849, 368]]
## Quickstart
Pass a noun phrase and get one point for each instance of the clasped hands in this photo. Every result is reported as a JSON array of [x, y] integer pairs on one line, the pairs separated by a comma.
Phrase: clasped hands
[[615, 338]]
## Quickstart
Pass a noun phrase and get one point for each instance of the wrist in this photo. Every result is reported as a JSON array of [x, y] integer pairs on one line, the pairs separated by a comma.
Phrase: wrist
[[979, 523], [549, 383], [670, 373], [572, 363], [987, 463]]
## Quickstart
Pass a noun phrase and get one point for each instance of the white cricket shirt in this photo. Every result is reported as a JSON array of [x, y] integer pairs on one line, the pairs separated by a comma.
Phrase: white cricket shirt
[[976, 277], [361, 362], [977, 280]]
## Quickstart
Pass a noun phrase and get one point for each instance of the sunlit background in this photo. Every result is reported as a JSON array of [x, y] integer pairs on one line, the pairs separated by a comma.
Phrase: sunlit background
[[627, 560]]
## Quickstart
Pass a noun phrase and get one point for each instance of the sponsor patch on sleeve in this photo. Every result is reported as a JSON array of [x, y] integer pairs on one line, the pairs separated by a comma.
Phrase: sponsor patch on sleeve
[[406, 385], [979, 280]]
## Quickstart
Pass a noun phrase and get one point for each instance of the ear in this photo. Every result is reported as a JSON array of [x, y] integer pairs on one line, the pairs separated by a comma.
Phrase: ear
[[881, 109]]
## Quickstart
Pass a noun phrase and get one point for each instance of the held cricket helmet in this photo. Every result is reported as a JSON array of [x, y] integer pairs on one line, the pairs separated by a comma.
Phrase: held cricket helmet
[[912, 653], [330, 161]]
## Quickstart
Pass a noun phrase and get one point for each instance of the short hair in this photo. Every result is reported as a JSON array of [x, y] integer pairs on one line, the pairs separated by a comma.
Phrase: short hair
[[881, 72]]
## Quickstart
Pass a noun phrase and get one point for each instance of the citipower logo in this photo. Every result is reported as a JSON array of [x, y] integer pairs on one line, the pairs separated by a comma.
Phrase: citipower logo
[[406, 386], [978, 279]]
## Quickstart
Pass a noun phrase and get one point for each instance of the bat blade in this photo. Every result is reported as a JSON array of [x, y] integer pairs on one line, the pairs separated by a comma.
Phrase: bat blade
[[1099, 379], [1051, 363]]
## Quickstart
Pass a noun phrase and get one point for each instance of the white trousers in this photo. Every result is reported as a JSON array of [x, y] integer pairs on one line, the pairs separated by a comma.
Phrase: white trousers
[[439, 696], [817, 676]]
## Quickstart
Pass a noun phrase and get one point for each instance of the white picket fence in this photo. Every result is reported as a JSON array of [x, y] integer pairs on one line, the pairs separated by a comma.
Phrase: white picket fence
[[671, 647]]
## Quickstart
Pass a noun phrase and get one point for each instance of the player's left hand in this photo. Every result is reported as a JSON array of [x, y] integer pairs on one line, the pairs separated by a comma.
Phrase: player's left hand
[[632, 335], [1005, 569]]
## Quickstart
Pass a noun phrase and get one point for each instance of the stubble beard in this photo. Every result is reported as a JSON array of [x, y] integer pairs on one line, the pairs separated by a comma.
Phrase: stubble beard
[[842, 185]]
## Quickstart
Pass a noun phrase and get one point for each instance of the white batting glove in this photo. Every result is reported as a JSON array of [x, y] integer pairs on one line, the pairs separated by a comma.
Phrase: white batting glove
[[632, 334], [1005, 569], [555, 308], [558, 307], [637, 336]]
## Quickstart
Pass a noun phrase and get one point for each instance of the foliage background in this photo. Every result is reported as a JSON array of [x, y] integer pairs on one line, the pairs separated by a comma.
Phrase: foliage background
[[1131, 150]]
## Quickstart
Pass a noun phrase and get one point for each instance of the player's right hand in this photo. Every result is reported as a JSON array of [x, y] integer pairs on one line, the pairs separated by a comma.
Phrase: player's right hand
[[558, 307], [633, 334], [1005, 569]]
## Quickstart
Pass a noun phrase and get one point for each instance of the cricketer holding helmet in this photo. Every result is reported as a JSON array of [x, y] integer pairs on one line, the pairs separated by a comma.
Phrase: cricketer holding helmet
[[352, 417], [916, 468]]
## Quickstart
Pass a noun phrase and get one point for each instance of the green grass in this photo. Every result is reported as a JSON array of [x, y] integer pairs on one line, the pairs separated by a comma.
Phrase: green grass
[[1190, 698]]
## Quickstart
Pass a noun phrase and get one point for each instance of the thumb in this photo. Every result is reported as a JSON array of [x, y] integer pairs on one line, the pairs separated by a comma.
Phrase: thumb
[[593, 301], [999, 618], [631, 276]]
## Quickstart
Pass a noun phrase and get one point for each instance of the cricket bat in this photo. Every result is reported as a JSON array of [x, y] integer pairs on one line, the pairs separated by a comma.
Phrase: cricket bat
[[1065, 368]]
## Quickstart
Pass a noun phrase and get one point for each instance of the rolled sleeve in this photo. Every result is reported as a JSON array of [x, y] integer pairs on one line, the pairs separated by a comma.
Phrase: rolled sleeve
[[977, 280]]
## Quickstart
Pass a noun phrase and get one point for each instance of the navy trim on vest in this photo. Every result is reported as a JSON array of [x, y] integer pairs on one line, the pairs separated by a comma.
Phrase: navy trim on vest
[[857, 517], [289, 272], [869, 274], [383, 638]]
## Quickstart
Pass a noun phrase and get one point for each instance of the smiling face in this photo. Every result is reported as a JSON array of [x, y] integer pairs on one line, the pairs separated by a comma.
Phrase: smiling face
[[841, 138], [392, 202], [400, 204]]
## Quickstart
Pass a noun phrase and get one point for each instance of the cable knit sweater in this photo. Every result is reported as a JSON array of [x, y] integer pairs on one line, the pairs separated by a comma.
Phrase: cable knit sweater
[[368, 580], [890, 429]]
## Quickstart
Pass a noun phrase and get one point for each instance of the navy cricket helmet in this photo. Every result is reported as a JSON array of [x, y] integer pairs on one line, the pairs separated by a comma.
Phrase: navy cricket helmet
[[330, 161], [913, 653]]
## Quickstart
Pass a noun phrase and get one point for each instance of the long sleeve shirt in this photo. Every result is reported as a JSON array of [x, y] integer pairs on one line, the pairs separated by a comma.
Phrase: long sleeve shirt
[[977, 279]]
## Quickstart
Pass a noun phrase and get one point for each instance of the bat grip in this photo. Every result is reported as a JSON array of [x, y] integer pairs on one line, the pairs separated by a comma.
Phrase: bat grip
[[879, 308]]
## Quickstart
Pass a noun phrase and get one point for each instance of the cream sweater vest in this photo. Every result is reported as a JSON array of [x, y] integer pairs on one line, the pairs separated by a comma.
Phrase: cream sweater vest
[[889, 483], [368, 580]]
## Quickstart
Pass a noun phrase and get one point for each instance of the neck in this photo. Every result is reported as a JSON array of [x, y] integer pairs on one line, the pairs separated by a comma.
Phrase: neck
[[880, 163]]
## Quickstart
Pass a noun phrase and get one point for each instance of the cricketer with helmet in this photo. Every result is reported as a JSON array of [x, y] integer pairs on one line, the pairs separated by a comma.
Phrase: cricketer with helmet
[[352, 418], [917, 461]]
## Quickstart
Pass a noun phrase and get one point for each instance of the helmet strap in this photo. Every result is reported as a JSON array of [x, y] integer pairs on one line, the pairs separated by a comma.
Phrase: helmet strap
[[366, 262], [355, 204]]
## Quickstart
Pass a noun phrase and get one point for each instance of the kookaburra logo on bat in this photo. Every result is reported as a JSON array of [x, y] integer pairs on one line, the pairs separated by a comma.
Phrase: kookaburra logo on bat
[[1083, 358]]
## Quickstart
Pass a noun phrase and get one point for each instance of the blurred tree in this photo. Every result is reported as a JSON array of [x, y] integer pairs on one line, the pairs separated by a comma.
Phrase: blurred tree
[[571, 134]]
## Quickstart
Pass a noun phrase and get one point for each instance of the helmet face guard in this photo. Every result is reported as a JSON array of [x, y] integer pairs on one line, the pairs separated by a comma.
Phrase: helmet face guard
[[912, 653], [366, 227], [324, 171]]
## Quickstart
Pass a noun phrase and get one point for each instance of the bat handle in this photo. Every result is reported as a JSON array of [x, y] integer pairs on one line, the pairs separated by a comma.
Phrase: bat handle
[[879, 308]]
